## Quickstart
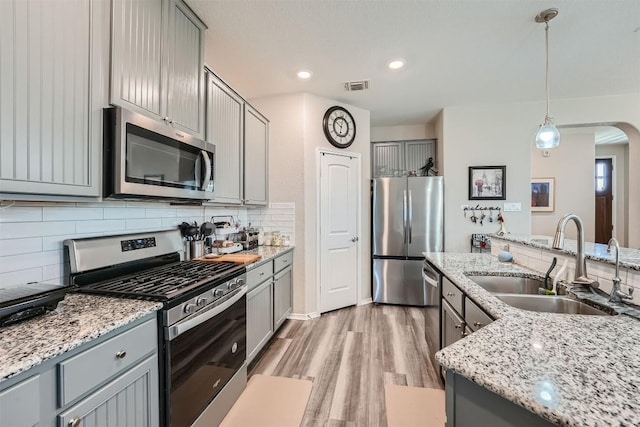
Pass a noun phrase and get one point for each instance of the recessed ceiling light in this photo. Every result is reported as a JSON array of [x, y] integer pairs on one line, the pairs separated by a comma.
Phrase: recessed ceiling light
[[396, 64], [304, 74]]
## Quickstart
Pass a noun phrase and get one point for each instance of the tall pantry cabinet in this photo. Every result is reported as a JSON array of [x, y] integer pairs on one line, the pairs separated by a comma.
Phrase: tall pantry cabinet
[[54, 76]]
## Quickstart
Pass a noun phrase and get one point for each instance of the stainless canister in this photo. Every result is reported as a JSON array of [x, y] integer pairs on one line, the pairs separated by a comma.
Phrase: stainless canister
[[197, 248]]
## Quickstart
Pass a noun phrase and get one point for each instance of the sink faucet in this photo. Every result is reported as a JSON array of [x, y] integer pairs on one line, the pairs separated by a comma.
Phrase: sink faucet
[[616, 293], [581, 264]]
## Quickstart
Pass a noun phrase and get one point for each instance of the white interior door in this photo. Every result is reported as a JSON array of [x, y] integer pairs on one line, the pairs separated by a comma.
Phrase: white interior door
[[339, 242]]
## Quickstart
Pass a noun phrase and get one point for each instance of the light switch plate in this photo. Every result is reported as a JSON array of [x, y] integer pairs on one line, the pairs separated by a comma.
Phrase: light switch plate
[[512, 207]]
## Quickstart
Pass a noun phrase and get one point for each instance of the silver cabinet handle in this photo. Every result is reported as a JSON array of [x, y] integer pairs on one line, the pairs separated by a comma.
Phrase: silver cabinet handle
[[477, 324], [451, 294], [74, 422], [355, 239], [262, 274], [464, 334], [459, 326], [121, 354]]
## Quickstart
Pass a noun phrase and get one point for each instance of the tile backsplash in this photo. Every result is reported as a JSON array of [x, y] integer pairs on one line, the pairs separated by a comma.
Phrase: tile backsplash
[[31, 234]]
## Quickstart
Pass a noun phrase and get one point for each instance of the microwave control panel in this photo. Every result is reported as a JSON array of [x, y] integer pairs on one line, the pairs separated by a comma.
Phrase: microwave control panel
[[134, 244]]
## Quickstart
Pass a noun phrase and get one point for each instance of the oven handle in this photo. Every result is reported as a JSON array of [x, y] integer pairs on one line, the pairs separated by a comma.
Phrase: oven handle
[[184, 326]]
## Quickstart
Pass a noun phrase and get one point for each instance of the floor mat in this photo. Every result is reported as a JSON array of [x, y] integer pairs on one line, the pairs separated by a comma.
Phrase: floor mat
[[414, 406]]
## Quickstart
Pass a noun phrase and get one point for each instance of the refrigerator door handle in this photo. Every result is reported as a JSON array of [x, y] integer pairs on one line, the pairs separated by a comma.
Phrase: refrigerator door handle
[[410, 206], [404, 215]]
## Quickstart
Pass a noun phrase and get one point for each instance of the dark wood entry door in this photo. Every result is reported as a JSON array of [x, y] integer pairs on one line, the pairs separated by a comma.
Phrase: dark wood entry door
[[604, 200]]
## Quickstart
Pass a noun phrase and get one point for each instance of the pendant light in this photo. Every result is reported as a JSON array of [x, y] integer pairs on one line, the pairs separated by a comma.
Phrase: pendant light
[[547, 135]]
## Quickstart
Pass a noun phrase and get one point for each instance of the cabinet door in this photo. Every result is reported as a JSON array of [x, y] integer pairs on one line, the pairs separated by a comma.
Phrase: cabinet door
[[282, 297], [20, 404], [185, 96], [53, 78], [416, 155], [452, 325], [138, 55], [387, 159], [256, 157], [259, 318], [224, 129], [132, 399]]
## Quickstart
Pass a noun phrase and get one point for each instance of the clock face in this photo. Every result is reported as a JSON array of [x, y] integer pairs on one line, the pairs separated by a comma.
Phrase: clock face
[[339, 127]]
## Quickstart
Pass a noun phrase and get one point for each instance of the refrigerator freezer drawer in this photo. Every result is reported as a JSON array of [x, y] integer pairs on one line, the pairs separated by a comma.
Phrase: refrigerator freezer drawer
[[397, 281]]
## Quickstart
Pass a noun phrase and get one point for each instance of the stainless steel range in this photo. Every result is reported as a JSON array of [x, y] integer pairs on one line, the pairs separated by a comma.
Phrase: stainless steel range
[[202, 333]]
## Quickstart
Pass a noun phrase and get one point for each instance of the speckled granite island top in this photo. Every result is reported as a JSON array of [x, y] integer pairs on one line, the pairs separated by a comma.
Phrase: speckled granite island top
[[572, 370], [629, 258], [78, 319]]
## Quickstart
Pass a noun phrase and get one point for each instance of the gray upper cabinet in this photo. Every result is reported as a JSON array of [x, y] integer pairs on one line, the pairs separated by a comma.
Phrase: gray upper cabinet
[[54, 68], [256, 157], [400, 158], [157, 58], [225, 130]]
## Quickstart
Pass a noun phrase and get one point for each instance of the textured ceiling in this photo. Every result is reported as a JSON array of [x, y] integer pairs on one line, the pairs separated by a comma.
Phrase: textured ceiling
[[458, 52]]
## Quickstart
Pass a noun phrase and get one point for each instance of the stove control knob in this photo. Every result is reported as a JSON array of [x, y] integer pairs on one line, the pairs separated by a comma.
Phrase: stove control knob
[[240, 282], [232, 284], [201, 301], [189, 308], [218, 292]]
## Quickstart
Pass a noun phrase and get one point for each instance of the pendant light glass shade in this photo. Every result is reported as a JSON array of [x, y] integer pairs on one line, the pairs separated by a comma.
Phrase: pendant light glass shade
[[548, 135]]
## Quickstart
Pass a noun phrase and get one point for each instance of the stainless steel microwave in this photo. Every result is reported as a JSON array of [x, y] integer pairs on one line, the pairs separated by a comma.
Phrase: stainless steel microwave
[[146, 158]]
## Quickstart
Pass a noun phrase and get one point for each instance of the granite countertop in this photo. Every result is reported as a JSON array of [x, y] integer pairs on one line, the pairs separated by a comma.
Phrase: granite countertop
[[78, 319], [267, 253], [629, 258], [572, 370]]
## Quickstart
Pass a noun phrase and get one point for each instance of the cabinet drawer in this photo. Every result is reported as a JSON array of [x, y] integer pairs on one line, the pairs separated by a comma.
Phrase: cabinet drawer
[[283, 261], [259, 274], [474, 316], [452, 294], [81, 373]]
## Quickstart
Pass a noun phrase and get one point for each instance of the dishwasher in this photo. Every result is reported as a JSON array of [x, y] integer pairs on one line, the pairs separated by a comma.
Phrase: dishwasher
[[433, 283]]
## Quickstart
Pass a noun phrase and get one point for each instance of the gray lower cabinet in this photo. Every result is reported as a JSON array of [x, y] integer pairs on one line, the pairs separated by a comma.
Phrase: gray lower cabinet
[[282, 297], [259, 318], [470, 405], [125, 401], [111, 381], [269, 301], [54, 81]]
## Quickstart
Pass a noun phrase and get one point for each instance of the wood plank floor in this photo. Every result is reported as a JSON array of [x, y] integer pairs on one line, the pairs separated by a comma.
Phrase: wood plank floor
[[350, 354]]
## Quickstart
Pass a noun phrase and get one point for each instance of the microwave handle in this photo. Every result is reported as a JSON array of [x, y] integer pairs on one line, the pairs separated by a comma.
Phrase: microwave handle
[[207, 170]]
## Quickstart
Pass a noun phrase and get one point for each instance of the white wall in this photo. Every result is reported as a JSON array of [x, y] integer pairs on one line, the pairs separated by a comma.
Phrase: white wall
[[621, 179], [295, 135], [32, 233], [503, 135], [402, 133], [572, 166]]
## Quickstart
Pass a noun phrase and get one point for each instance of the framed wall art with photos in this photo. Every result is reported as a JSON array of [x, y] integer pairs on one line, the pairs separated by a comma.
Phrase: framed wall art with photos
[[543, 194], [487, 182]]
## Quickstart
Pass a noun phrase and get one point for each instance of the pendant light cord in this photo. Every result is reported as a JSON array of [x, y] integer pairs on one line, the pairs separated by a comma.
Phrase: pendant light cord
[[546, 78]]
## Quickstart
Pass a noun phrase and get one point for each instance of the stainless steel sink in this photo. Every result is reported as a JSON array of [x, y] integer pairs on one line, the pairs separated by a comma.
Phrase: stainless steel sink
[[508, 285], [549, 304]]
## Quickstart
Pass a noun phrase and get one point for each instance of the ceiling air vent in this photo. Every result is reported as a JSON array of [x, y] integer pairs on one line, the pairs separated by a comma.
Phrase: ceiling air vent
[[357, 85]]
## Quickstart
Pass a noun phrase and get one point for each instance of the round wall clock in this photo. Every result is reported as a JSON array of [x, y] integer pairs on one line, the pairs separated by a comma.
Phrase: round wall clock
[[339, 127]]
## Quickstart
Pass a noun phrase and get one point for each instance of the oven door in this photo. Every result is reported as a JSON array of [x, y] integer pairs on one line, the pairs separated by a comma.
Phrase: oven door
[[204, 352], [152, 159]]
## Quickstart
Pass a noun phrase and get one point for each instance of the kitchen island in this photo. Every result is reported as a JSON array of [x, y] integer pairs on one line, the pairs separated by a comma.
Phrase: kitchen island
[[573, 370]]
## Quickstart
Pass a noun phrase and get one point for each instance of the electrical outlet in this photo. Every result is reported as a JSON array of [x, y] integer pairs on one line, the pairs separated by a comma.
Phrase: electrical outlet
[[512, 207]]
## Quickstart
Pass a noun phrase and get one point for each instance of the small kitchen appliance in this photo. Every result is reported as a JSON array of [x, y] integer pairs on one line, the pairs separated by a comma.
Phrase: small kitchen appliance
[[202, 324]]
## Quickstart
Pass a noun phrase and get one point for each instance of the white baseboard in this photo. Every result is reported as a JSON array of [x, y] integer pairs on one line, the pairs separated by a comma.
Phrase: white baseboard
[[365, 301], [303, 316]]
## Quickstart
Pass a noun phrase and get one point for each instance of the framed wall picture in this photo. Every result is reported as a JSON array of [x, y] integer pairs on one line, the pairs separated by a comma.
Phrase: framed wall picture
[[543, 194], [487, 182]]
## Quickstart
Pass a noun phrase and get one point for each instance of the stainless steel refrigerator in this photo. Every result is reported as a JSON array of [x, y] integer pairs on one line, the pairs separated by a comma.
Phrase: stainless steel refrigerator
[[407, 220]]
